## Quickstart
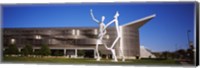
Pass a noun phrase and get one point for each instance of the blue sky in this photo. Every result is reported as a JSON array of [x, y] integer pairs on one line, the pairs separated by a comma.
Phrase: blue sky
[[162, 33]]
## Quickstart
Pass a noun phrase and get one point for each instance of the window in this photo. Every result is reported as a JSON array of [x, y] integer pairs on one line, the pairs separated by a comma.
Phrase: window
[[78, 32], [12, 41], [38, 37], [95, 31], [107, 36], [73, 32]]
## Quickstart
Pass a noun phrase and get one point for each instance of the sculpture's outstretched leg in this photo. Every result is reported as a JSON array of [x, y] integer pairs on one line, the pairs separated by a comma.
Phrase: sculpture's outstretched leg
[[123, 58], [114, 43], [97, 51], [122, 53], [114, 55], [113, 50]]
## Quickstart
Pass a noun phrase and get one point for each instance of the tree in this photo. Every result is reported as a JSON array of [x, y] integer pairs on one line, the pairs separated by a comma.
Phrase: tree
[[172, 55], [45, 51], [24, 51], [181, 53], [27, 50], [190, 54], [12, 50], [165, 54], [36, 52]]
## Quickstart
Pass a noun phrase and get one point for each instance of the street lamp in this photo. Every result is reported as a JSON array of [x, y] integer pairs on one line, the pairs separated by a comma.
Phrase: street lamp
[[188, 37]]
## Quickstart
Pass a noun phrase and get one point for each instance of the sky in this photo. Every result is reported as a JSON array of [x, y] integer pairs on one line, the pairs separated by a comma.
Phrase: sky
[[166, 32]]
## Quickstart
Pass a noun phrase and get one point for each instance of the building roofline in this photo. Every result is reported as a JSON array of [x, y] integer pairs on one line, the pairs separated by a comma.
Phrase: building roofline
[[139, 20], [48, 27]]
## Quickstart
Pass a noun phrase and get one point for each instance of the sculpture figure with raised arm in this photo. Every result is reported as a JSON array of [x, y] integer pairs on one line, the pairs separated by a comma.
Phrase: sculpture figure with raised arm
[[102, 32], [115, 21], [100, 35]]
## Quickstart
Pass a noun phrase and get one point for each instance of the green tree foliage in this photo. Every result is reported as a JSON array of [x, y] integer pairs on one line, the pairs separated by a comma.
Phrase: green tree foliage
[[36, 52], [11, 50], [27, 50], [45, 51], [190, 54], [165, 54], [181, 53]]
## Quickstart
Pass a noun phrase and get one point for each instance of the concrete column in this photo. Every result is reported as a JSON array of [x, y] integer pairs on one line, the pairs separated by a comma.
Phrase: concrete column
[[95, 53], [33, 50], [76, 53], [107, 56], [64, 52], [3, 49], [19, 49]]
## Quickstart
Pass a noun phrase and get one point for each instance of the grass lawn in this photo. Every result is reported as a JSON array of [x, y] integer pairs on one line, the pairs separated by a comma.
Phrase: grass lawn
[[87, 61]]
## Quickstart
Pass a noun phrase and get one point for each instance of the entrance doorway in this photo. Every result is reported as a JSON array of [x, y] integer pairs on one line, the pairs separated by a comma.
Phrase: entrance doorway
[[89, 54], [57, 52], [85, 53], [70, 53]]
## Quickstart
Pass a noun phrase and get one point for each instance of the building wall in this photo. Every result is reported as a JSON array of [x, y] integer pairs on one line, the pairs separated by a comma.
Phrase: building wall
[[130, 42], [146, 53], [77, 38], [58, 38]]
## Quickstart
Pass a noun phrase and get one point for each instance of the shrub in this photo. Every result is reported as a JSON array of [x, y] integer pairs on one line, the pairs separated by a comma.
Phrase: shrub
[[44, 50], [11, 50], [27, 50]]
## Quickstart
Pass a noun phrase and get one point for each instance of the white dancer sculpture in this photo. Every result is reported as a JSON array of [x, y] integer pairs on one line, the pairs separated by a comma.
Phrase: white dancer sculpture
[[102, 30], [101, 33]]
